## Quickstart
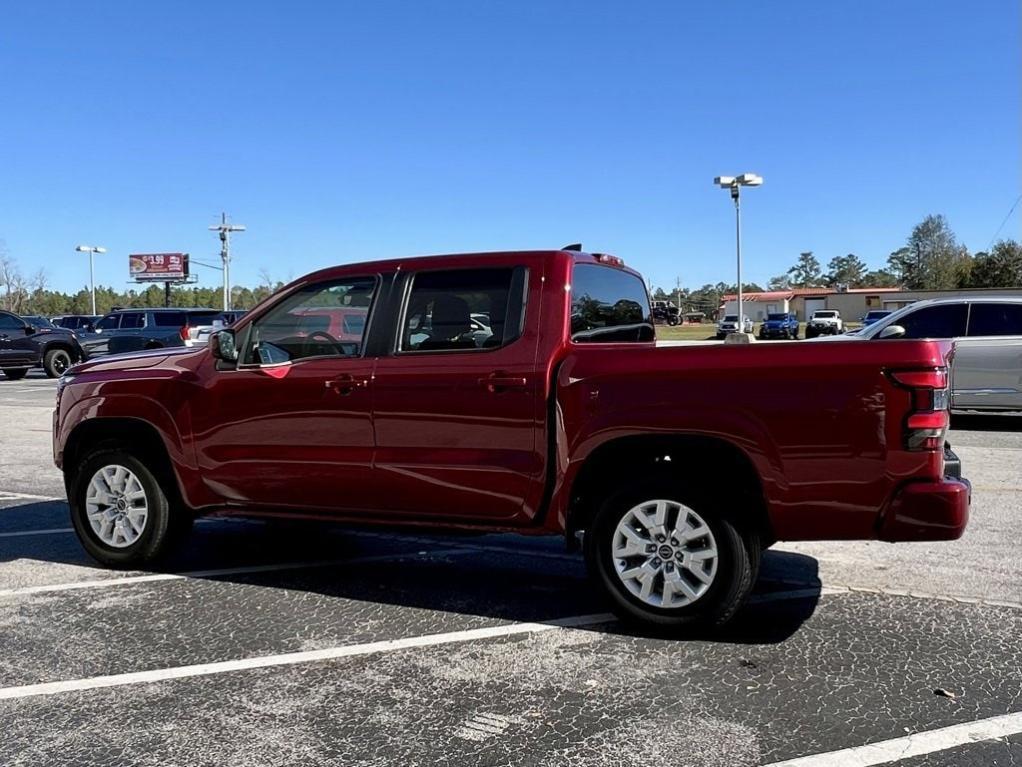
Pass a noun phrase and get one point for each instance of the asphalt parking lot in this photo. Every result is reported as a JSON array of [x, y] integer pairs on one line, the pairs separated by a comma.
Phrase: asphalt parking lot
[[314, 645]]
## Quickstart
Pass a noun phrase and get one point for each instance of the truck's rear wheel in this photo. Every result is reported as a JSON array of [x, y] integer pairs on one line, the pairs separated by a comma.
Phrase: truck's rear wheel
[[15, 374], [667, 559], [121, 512], [56, 361]]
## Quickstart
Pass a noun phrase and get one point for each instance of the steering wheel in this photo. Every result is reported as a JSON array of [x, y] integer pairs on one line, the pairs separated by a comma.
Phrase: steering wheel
[[320, 335]]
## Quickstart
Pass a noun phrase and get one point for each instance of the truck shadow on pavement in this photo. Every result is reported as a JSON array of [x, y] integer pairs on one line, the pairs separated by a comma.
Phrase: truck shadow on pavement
[[501, 577]]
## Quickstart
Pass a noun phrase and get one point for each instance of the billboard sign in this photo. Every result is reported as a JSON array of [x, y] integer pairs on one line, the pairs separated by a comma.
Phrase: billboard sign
[[158, 267]]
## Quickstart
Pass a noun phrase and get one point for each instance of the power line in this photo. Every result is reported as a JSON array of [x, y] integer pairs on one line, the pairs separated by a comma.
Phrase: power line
[[990, 245]]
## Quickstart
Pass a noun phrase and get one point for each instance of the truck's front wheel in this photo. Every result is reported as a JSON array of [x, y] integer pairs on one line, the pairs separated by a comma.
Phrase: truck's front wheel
[[121, 512], [666, 559]]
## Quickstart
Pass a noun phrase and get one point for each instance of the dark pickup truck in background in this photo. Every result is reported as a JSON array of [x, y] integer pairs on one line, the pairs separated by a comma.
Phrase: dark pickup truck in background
[[25, 344], [521, 392]]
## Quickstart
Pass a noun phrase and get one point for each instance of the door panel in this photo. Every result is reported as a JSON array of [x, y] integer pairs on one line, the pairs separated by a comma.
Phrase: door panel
[[291, 426], [301, 441], [456, 428], [987, 373]]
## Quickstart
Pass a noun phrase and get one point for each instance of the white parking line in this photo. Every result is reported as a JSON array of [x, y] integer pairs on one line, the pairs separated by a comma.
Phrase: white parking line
[[917, 744], [293, 658], [7, 495], [51, 531], [248, 569]]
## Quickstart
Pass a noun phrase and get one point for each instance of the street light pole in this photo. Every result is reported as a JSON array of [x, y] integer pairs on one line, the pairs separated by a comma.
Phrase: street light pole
[[734, 184], [736, 196], [92, 251]]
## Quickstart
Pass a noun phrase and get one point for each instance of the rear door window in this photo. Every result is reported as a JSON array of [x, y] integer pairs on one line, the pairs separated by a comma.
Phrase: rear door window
[[461, 310], [609, 305], [132, 320], [169, 319], [995, 320], [942, 321]]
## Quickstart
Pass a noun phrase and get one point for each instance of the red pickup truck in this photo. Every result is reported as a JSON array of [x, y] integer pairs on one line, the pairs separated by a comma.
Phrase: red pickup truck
[[523, 392]]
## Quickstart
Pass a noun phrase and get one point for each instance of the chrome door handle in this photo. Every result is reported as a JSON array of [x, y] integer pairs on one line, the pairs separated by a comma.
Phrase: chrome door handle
[[345, 384], [496, 382]]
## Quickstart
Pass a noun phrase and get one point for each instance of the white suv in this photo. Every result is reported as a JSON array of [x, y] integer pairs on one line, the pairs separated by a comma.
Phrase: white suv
[[824, 321]]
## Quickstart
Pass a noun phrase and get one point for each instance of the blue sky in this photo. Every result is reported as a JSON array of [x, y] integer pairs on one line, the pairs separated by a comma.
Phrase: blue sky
[[342, 131]]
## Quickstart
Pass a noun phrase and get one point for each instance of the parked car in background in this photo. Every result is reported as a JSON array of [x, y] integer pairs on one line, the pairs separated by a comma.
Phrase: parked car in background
[[132, 330], [75, 321], [363, 393], [986, 369], [875, 315], [779, 325], [824, 322], [25, 344], [729, 324], [200, 333]]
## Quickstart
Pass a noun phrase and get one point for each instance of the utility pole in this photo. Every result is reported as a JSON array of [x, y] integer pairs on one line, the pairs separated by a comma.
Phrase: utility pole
[[225, 230], [677, 292]]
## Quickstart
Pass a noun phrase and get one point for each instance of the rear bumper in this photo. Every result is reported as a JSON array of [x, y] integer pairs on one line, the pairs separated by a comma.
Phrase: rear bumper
[[928, 511]]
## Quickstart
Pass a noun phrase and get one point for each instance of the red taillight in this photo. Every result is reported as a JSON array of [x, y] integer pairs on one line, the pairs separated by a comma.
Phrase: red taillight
[[604, 258], [184, 333], [927, 422]]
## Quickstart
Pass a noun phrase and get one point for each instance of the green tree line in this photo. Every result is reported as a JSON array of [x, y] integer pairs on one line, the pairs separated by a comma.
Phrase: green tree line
[[932, 258]]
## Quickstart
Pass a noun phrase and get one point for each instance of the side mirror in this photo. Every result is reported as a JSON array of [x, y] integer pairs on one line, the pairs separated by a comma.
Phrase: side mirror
[[29, 330], [223, 347], [892, 331]]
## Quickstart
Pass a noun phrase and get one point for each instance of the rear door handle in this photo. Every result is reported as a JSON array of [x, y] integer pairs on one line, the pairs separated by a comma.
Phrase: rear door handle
[[346, 384], [498, 382]]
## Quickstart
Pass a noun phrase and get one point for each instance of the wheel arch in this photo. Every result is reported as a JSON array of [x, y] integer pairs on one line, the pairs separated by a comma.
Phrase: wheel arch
[[712, 462], [134, 435]]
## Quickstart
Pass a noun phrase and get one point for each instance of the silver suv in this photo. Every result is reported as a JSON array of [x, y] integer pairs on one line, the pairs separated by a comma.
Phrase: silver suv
[[986, 372]]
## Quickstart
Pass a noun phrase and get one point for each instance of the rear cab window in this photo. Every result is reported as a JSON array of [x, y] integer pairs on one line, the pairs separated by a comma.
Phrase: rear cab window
[[609, 306]]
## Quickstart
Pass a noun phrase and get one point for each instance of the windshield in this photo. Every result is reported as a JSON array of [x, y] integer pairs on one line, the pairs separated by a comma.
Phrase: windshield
[[730, 318], [777, 316], [825, 315]]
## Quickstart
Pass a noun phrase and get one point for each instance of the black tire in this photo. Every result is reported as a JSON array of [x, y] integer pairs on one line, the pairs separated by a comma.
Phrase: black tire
[[164, 527], [56, 361], [15, 374], [738, 557]]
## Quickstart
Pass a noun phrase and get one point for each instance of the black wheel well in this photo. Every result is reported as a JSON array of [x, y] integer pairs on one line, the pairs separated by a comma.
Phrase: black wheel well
[[718, 466], [75, 356], [130, 434], [153, 345]]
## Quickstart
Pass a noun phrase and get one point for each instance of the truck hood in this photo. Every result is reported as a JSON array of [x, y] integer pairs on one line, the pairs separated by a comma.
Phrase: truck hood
[[132, 360], [774, 323]]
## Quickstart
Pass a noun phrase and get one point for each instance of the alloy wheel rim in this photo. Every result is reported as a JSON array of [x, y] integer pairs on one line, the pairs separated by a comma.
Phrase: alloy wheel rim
[[664, 554], [116, 506], [61, 362]]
